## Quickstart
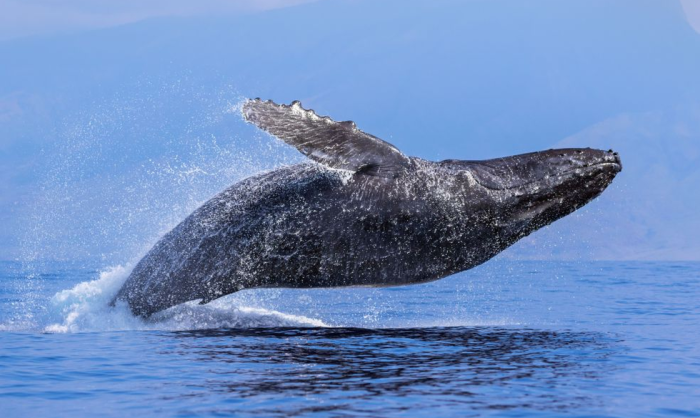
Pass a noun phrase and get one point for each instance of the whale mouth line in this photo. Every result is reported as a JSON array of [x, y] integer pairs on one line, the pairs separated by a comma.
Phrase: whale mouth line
[[615, 165]]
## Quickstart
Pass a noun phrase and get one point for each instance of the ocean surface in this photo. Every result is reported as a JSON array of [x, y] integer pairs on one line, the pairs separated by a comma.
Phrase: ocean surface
[[593, 339]]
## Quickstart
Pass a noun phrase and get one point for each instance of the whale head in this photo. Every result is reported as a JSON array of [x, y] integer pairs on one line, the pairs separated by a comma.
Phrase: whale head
[[523, 193]]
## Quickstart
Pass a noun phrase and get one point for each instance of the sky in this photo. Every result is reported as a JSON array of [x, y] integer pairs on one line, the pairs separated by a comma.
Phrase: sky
[[20, 18], [117, 119], [43, 17]]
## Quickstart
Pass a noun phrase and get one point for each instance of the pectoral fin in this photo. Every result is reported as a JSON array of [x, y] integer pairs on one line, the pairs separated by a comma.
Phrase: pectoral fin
[[337, 145]]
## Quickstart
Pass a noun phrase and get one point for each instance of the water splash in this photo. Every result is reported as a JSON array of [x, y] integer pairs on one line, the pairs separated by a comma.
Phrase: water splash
[[85, 308], [114, 177], [120, 173]]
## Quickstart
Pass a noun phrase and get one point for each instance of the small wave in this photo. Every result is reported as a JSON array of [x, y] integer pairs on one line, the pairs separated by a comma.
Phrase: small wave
[[85, 308]]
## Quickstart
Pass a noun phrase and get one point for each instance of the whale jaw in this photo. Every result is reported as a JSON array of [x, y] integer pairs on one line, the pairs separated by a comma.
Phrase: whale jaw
[[529, 191], [574, 178]]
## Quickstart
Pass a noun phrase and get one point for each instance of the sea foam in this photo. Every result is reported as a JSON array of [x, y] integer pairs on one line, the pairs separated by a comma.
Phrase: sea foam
[[85, 308]]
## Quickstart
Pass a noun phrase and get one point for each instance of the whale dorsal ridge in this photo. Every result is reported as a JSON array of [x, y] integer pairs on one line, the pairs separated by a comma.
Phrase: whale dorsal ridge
[[335, 144]]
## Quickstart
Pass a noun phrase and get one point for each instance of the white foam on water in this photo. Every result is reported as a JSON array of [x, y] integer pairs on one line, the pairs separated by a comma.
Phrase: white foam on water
[[222, 315], [85, 308]]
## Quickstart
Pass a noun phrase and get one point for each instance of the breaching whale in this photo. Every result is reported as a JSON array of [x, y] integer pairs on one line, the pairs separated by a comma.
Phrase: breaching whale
[[361, 213]]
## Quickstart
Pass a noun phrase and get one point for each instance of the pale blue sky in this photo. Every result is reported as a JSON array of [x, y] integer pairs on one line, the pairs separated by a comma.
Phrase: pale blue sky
[[44, 17], [32, 17]]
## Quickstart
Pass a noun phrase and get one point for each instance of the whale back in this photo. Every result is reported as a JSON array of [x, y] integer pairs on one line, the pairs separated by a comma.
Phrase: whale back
[[213, 251]]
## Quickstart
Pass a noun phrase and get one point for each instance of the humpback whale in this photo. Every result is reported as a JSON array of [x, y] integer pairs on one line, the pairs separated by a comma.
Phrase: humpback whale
[[359, 213]]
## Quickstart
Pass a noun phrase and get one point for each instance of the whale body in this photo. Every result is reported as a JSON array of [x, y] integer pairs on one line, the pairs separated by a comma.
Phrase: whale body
[[359, 213]]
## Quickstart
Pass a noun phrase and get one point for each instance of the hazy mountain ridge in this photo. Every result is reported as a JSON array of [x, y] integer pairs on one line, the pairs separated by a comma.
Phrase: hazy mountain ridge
[[654, 214]]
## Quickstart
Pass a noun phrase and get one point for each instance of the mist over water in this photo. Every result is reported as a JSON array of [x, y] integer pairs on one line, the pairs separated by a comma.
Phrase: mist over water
[[117, 176], [128, 169]]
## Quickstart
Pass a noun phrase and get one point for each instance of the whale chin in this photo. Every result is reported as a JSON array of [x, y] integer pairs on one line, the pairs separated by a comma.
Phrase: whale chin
[[533, 190], [551, 197]]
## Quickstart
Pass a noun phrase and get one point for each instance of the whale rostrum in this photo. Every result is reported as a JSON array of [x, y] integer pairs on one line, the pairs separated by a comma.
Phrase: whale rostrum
[[360, 213]]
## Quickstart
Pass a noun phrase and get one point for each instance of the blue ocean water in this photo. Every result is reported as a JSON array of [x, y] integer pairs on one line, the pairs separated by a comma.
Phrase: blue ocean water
[[618, 339]]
